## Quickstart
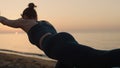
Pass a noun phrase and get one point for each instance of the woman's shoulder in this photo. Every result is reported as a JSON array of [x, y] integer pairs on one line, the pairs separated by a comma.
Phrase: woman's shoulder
[[44, 22]]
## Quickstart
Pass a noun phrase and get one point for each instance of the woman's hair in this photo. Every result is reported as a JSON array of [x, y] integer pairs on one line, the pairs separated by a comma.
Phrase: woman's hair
[[30, 12]]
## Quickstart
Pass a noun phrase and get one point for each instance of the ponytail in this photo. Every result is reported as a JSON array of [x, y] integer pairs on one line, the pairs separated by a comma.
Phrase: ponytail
[[31, 5], [30, 12]]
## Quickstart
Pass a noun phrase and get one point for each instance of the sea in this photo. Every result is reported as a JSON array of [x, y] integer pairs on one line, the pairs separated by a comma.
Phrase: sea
[[99, 40]]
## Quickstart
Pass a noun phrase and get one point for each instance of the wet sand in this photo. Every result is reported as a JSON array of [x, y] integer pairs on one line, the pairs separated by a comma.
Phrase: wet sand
[[13, 59]]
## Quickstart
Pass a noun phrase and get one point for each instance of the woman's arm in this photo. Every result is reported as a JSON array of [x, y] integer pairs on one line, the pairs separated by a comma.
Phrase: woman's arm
[[24, 24], [12, 23]]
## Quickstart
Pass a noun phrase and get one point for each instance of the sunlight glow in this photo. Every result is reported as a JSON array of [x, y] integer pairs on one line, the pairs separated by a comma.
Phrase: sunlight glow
[[69, 14]]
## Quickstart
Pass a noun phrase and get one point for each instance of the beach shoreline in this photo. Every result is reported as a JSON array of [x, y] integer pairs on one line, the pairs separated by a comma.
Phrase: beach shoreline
[[14, 59]]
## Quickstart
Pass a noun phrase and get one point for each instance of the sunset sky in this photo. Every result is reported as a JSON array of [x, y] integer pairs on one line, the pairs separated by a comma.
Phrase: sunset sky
[[68, 15]]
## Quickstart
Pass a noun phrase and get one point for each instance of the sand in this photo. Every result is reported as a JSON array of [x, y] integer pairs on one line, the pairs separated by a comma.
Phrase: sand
[[15, 60]]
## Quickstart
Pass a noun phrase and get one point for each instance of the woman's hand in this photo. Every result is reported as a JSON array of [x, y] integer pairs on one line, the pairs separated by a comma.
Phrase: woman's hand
[[11, 23]]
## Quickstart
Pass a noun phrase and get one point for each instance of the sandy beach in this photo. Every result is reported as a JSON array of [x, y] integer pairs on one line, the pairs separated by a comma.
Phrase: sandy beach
[[13, 59]]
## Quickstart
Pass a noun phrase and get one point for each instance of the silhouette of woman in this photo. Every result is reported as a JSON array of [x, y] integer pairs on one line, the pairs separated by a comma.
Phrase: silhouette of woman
[[61, 46]]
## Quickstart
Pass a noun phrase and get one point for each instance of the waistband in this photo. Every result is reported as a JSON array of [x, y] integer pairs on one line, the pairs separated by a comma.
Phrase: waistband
[[39, 30]]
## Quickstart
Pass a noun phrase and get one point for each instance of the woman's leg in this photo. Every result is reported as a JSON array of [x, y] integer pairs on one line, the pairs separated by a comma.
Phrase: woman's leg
[[63, 47], [113, 58], [60, 64]]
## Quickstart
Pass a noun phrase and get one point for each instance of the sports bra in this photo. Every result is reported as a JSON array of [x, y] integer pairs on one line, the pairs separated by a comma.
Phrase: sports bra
[[38, 30]]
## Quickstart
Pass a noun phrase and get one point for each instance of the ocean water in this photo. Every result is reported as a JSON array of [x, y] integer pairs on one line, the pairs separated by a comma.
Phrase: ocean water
[[98, 40]]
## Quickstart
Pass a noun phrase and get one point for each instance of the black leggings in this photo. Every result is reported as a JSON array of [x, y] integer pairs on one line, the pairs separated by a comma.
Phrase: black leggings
[[64, 48]]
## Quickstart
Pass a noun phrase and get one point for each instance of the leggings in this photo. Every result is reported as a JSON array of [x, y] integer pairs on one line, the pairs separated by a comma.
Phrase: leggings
[[70, 54]]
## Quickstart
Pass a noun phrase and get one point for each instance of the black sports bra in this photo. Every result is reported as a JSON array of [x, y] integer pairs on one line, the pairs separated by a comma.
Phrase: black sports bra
[[38, 30]]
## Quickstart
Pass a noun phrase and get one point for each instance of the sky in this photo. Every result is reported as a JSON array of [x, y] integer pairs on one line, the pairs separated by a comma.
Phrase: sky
[[68, 15]]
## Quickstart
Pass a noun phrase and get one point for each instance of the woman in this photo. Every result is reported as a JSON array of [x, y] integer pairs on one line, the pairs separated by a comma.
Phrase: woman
[[61, 46]]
